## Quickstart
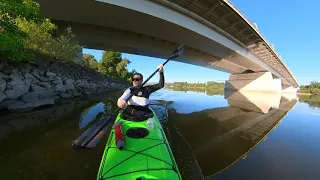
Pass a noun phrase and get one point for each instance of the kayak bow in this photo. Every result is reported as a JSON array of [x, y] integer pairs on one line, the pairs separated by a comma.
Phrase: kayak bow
[[146, 154]]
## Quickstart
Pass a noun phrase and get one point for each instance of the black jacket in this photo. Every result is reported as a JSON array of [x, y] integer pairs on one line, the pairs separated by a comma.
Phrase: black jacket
[[147, 90]]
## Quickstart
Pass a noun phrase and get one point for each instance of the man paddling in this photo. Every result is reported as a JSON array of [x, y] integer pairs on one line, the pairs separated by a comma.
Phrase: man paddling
[[140, 98]]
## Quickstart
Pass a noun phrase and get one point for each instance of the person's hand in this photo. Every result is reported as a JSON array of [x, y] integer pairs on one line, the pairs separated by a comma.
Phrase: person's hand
[[122, 103], [160, 67]]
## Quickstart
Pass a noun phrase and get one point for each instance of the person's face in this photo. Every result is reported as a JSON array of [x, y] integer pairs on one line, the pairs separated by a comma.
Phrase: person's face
[[136, 80]]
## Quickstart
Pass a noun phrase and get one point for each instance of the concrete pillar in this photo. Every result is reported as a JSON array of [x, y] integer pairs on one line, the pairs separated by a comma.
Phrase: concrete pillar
[[288, 89], [255, 101], [261, 81]]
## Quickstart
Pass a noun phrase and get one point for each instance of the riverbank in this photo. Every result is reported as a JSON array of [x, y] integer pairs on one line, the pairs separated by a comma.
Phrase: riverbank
[[46, 80], [304, 94]]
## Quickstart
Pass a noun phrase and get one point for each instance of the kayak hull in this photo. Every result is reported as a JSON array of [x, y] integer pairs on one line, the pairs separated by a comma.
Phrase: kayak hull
[[143, 158]]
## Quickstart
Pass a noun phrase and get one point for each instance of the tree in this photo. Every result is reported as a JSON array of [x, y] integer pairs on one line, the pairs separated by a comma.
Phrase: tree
[[315, 84], [11, 37], [113, 65], [109, 63], [90, 61], [122, 68]]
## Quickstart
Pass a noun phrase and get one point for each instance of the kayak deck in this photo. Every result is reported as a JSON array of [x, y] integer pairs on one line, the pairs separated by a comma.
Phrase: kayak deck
[[144, 158]]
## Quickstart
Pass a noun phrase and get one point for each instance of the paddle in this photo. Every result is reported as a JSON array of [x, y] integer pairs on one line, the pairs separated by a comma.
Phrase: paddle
[[92, 135]]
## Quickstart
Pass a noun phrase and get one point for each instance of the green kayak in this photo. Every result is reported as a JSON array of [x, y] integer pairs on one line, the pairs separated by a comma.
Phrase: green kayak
[[146, 154]]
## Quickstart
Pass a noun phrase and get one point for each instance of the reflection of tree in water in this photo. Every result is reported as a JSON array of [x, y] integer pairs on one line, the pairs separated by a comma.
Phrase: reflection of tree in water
[[208, 91], [313, 100], [214, 91]]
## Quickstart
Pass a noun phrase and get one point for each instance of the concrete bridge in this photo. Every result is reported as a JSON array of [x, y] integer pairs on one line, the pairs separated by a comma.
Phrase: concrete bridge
[[216, 34]]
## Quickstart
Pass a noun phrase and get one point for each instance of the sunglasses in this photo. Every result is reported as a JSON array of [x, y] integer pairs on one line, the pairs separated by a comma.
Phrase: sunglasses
[[135, 79]]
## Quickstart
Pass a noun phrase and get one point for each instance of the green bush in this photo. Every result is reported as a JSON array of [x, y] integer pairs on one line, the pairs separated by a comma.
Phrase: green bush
[[40, 39], [303, 90], [23, 30], [90, 61], [315, 91], [11, 37]]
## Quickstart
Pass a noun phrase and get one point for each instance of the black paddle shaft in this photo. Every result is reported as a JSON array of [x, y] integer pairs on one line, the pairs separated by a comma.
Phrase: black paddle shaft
[[174, 55]]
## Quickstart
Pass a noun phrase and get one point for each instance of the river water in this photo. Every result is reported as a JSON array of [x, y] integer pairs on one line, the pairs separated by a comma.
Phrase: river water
[[230, 136]]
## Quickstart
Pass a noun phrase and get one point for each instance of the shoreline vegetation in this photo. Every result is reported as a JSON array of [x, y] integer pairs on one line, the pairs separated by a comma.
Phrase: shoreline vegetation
[[38, 65], [312, 89], [25, 33], [210, 87]]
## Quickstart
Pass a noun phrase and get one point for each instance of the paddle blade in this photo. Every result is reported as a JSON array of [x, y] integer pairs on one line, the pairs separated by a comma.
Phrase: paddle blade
[[97, 138], [178, 52], [92, 133]]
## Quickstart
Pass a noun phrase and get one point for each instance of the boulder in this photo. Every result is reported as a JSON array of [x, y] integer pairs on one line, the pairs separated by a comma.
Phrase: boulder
[[35, 74], [65, 95], [93, 86], [36, 81], [52, 78], [57, 81], [57, 78], [15, 77], [28, 76], [47, 85], [25, 68], [17, 91], [28, 82], [35, 88], [2, 96], [75, 93], [43, 79], [83, 84], [48, 74], [46, 94], [3, 85], [2, 66], [41, 73], [29, 97], [10, 84], [69, 84], [3, 76], [59, 88]]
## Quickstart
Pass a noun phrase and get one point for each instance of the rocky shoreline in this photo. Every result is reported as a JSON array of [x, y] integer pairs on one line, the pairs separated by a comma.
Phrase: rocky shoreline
[[44, 80]]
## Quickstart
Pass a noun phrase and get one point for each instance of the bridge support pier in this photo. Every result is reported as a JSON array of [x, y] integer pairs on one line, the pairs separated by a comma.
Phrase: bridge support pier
[[288, 89], [260, 81]]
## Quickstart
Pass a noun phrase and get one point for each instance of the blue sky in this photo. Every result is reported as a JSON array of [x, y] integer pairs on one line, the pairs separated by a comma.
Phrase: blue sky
[[293, 27]]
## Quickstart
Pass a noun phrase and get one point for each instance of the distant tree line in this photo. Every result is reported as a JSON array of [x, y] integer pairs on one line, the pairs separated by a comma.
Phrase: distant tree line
[[111, 64], [210, 88], [312, 88]]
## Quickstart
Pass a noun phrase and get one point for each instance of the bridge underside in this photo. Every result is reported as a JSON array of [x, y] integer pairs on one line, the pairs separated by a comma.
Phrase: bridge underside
[[105, 26]]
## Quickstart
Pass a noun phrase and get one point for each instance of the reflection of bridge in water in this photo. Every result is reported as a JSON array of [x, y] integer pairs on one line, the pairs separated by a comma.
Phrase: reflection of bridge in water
[[221, 136]]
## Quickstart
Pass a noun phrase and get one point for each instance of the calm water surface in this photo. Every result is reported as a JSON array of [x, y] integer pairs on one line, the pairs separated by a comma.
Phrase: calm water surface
[[230, 136]]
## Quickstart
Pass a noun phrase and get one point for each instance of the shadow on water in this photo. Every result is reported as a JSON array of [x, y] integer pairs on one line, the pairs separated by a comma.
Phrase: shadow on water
[[37, 144]]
